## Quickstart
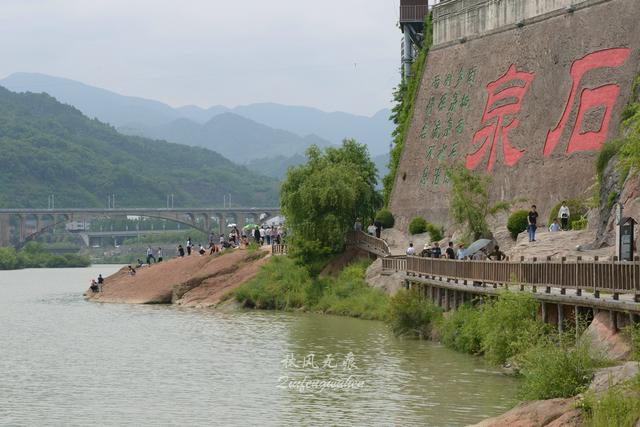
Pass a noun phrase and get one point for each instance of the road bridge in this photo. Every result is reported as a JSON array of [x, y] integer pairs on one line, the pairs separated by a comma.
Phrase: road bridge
[[30, 223]]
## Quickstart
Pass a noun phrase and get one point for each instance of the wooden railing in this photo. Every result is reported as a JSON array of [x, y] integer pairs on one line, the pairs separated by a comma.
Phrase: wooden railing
[[279, 249], [394, 264], [614, 277], [369, 243]]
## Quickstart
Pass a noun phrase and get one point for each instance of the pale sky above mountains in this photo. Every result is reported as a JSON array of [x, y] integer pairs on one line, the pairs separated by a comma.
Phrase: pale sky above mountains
[[332, 54]]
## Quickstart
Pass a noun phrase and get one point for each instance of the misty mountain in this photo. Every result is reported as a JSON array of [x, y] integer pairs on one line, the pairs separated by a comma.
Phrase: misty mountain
[[237, 138], [139, 116]]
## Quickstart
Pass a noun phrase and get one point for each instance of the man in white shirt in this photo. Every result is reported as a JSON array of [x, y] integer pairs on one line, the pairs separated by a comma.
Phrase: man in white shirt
[[411, 251], [563, 214]]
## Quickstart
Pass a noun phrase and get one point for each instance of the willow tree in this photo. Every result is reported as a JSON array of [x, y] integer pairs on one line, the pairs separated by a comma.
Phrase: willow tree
[[322, 198]]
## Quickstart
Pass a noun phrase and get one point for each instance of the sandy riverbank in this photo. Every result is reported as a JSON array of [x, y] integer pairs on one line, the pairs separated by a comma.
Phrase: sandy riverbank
[[193, 281]]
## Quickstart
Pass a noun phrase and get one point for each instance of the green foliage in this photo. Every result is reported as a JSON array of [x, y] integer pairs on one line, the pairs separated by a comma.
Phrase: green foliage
[[517, 222], [435, 233], [580, 224], [48, 147], [385, 217], [411, 315], [402, 113], [460, 330], [577, 209], [350, 295], [619, 406], [469, 201], [418, 225], [281, 284], [611, 198], [632, 333], [608, 152], [556, 367], [508, 326], [34, 256], [322, 198]]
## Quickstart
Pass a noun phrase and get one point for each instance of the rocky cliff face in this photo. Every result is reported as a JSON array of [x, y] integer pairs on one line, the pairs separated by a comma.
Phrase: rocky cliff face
[[532, 106]]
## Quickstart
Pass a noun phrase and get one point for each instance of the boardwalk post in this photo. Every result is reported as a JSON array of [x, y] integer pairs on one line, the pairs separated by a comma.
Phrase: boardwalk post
[[546, 276], [520, 274], [534, 287], [616, 295], [560, 318]]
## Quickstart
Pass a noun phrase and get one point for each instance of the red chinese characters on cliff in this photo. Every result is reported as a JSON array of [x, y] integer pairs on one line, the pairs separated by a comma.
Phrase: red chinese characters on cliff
[[604, 96], [503, 103]]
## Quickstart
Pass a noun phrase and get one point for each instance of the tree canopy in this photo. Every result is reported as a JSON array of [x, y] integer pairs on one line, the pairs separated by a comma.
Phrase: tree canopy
[[322, 198]]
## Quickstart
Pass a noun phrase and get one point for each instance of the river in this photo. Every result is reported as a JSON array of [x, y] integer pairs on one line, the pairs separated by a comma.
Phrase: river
[[64, 361]]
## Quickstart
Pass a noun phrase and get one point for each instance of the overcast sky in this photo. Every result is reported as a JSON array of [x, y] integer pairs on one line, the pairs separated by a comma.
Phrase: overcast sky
[[336, 55]]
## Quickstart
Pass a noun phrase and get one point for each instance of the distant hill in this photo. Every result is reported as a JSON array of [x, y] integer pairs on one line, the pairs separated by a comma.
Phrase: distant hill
[[48, 147], [143, 116], [237, 138]]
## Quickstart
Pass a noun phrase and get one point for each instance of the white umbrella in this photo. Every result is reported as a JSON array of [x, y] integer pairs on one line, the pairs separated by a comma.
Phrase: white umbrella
[[231, 225], [476, 246]]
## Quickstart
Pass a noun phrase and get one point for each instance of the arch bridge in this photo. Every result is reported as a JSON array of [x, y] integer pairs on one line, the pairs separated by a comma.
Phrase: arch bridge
[[30, 223]]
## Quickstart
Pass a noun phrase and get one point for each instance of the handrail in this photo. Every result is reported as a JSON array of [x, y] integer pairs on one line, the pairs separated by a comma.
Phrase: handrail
[[616, 277], [369, 243], [279, 249]]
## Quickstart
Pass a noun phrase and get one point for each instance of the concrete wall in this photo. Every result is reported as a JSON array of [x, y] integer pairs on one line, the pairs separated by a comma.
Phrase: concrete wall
[[454, 19], [530, 106]]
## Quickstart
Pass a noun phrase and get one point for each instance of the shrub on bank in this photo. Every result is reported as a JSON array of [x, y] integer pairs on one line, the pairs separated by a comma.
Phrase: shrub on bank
[[418, 225], [385, 217], [349, 295], [517, 222], [435, 233], [556, 367], [411, 315], [281, 284], [619, 406], [460, 330]]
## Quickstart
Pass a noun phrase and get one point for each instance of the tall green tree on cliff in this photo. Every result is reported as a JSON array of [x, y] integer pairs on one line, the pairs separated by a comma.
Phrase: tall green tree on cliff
[[322, 198]]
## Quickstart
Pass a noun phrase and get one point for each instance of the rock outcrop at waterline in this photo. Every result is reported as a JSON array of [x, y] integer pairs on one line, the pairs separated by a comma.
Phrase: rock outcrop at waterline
[[192, 281]]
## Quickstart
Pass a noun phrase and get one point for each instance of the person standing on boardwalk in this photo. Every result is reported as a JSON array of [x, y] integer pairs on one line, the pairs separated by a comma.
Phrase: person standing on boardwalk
[[180, 251], [563, 214], [451, 254], [189, 245], [436, 252], [411, 251], [532, 220]]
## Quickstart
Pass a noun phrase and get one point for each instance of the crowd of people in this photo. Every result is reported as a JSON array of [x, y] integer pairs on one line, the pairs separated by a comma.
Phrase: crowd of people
[[96, 285], [435, 251]]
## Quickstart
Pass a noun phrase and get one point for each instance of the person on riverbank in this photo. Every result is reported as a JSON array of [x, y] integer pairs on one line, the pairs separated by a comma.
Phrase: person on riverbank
[[532, 221], [357, 226], [160, 257], [497, 254], [257, 235], [213, 248], [371, 230], [563, 215], [378, 226], [554, 227], [411, 251], [94, 286], [150, 255], [180, 251], [100, 282], [132, 271], [450, 252], [201, 250], [189, 245]]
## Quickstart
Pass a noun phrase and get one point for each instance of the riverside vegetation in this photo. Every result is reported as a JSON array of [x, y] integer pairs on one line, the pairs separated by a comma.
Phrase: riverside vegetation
[[33, 255]]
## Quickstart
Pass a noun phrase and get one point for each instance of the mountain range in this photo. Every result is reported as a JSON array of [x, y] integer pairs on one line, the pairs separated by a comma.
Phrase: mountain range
[[244, 134], [52, 148]]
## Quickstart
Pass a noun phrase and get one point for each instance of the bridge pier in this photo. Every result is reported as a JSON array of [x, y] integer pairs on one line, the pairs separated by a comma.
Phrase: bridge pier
[[5, 230]]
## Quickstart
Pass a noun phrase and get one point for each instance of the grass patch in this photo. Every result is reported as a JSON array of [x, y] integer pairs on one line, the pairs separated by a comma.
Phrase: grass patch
[[411, 315], [283, 284], [556, 367], [460, 330], [618, 406]]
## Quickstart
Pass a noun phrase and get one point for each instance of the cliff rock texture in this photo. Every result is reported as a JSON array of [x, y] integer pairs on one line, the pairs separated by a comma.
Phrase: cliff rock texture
[[530, 104]]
